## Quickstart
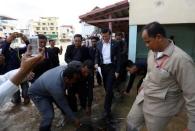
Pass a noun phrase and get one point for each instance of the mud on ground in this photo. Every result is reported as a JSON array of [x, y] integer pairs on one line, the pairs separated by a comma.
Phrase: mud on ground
[[27, 118]]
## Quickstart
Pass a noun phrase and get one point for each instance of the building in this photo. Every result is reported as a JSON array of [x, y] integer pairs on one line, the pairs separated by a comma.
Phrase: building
[[7, 25], [26, 32], [87, 29], [66, 33], [45, 25], [176, 16]]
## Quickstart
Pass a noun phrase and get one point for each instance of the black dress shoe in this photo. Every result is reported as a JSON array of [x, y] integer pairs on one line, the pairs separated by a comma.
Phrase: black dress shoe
[[15, 101]]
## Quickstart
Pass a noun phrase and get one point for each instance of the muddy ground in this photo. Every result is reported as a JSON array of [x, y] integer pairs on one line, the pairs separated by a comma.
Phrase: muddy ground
[[26, 117]]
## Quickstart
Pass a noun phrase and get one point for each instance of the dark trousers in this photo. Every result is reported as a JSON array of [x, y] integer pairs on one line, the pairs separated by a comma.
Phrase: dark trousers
[[71, 97], [98, 78], [84, 91], [80, 89], [45, 107], [108, 73], [131, 81], [16, 97]]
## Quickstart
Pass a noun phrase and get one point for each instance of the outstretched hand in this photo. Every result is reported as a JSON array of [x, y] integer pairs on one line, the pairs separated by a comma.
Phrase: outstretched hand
[[28, 62]]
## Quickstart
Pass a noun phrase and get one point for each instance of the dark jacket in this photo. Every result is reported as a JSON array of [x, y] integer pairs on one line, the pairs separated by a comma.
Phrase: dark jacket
[[71, 53], [12, 57], [92, 52], [115, 54], [45, 65], [55, 51]]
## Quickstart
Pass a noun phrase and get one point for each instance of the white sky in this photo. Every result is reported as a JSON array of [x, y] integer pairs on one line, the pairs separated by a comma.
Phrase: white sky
[[68, 11]]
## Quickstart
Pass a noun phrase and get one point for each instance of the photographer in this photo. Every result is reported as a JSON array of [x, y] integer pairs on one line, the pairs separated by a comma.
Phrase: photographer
[[9, 81], [13, 60]]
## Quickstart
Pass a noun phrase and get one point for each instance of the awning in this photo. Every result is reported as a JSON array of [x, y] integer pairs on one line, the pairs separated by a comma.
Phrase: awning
[[115, 16]]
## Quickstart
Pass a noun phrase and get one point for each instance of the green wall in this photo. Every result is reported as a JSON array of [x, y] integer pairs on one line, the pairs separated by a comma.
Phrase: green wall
[[184, 37]]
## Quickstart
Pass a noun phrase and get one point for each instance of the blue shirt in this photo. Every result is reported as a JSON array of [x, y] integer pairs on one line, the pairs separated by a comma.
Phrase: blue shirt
[[51, 85]]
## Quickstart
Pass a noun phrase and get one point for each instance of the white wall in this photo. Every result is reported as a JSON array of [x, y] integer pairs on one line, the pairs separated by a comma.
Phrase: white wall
[[87, 29], [163, 11]]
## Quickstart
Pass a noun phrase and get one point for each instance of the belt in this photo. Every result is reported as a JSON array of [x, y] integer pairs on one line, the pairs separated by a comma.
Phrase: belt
[[107, 64]]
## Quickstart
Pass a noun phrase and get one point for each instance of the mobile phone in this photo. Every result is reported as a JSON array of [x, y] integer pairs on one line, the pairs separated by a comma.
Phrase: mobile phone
[[34, 43], [0, 51]]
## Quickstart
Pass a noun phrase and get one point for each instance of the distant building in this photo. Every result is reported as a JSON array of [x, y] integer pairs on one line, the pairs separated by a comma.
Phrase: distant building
[[7, 25], [87, 29], [26, 32], [66, 33], [45, 25]]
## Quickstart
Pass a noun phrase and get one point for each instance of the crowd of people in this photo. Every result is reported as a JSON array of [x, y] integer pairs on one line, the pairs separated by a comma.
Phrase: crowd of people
[[165, 85]]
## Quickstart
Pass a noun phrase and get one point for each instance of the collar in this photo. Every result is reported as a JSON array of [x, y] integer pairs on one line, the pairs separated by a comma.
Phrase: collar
[[109, 42], [167, 52]]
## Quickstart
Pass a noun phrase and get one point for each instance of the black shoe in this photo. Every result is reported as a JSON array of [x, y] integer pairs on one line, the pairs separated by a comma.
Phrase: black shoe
[[107, 116], [16, 101], [26, 101], [99, 84]]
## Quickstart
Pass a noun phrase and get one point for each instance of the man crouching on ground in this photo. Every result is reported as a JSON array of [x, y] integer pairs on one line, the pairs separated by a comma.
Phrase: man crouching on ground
[[51, 87]]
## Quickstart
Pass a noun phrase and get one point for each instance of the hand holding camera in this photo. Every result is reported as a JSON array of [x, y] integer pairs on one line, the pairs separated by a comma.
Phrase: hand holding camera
[[34, 43]]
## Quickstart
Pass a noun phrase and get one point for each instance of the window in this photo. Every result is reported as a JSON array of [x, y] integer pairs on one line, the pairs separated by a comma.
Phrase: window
[[4, 27], [43, 28], [12, 28], [51, 28], [45, 33], [51, 24], [43, 24], [1, 29], [56, 28], [37, 28], [38, 23], [53, 33]]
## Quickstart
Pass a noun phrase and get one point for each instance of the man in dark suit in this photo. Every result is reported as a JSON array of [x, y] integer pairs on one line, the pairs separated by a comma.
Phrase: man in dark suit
[[76, 51], [92, 51], [108, 58]]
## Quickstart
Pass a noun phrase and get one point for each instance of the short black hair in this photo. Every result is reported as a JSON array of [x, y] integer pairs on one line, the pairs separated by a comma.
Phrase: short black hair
[[78, 35], [75, 64], [41, 36], [155, 28], [119, 34], [89, 64], [129, 63], [106, 30], [51, 40], [70, 72], [95, 37]]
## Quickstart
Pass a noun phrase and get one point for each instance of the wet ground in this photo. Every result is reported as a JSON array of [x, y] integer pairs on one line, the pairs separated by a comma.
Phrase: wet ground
[[26, 117]]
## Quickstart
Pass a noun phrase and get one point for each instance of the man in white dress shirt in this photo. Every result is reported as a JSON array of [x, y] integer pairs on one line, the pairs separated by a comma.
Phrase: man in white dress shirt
[[108, 58]]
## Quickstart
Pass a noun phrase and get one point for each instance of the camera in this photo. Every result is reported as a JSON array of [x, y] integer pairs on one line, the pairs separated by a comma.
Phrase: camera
[[34, 43]]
